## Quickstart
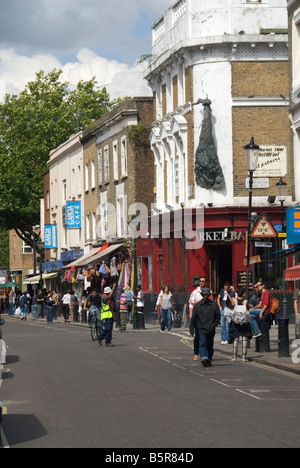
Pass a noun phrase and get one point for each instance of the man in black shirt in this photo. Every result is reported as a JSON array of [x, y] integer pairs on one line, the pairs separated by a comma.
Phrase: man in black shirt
[[206, 317]]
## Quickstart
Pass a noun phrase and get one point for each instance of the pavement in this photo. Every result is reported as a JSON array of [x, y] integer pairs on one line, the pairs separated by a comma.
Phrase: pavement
[[288, 364]]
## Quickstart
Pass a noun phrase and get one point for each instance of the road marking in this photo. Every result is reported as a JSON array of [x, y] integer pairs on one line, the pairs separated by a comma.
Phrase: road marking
[[248, 394], [197, 373], [221, 383]]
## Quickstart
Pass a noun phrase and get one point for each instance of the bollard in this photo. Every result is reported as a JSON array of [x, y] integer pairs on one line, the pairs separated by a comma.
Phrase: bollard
[[297, 327], [262, 344], [283, 338]]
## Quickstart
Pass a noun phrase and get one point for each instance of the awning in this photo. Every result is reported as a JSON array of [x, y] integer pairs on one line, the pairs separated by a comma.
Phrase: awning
[[88, 255], [36, 279], [99, 256], [293, 273]]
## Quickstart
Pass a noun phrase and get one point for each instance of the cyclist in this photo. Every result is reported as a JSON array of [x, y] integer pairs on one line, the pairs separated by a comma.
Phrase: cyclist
[[95, 300]]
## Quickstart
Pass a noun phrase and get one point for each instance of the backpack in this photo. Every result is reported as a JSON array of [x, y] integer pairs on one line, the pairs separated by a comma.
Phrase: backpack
[[241, 315], [275, 307], [22, 302]]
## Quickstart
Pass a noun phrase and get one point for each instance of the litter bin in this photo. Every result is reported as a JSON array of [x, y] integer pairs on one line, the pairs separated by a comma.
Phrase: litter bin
[[34, 312]]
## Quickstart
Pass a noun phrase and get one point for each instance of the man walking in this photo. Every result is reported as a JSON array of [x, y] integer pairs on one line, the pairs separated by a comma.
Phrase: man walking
[[206, 317]]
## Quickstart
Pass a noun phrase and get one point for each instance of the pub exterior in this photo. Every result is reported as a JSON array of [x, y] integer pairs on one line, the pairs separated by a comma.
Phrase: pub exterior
[[213, 90]]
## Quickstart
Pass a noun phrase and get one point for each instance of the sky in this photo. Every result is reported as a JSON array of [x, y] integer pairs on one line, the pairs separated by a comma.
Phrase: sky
[[83, 38]]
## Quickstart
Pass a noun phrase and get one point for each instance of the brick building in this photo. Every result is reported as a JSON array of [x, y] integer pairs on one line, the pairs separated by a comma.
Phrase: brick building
[[233, 55], [294, 65], [118, 168]]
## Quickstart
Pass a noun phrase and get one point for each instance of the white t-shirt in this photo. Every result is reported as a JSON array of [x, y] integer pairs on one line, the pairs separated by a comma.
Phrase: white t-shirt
[[139, 302]]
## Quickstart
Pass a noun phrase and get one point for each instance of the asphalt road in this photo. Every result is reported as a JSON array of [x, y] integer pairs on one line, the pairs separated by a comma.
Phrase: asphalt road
[[60, 389]]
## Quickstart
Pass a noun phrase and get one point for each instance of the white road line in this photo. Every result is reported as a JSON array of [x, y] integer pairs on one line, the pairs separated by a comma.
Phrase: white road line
[[248, 394]]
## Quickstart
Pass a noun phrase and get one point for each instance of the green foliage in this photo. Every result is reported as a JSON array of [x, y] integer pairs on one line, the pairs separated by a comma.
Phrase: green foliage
[[32, 124]]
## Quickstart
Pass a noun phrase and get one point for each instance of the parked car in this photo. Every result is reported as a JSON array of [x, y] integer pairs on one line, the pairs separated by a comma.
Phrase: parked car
[[2, 322]]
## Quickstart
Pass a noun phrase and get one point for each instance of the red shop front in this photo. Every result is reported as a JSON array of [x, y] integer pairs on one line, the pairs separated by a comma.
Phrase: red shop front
[[167, 261]]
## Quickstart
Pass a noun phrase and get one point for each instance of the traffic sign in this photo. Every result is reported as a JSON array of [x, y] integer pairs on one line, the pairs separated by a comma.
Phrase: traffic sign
[[263, 228]]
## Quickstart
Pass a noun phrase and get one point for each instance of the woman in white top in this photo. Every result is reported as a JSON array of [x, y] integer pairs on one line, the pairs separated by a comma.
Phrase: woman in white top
[[167, 306]]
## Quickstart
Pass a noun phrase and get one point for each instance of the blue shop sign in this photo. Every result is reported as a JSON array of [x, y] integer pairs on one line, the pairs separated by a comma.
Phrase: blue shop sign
[[293, 225], [73, 215], [50, 236], [52, 266], [71, 255]]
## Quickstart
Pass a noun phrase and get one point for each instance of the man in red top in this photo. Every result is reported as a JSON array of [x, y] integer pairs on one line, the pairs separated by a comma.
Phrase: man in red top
[[265, 300]]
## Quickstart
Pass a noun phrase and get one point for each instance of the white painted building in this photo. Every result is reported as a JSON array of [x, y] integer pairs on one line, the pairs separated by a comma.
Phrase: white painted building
[[294, 30], [66, 185], [194, 46]]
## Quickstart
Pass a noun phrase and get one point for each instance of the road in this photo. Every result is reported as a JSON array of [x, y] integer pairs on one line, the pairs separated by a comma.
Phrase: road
[[62, 390]]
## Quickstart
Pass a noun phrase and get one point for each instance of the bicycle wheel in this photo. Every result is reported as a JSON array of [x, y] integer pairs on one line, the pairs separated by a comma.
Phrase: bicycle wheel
[[94, 329]]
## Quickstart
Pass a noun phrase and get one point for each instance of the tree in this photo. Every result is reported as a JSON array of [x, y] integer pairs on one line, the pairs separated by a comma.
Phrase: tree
[[32, 124]]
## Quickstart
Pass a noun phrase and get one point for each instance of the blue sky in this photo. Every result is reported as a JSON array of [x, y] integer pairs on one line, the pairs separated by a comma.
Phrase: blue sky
[[83, 37]]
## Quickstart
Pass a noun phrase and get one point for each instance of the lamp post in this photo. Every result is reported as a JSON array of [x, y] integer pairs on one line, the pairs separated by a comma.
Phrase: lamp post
[[251, 153], [283, 323]]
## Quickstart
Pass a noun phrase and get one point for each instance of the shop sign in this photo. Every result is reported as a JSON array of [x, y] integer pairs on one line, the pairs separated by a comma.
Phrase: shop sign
[[73, 215], [220, 236], [272, 161], [50, 236], [52, 266], [242, 280], [293, 225]]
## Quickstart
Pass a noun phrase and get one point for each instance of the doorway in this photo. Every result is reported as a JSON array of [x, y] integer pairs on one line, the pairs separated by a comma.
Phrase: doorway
[[220, 267]]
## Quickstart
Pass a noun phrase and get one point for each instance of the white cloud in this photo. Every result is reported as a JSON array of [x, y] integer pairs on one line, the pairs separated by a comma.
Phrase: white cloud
[[119, 78]]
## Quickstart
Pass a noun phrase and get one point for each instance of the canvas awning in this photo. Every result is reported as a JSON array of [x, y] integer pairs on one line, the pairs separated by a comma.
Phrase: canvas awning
[[91, 261], [292, 273], [85, 257], [36, 279]]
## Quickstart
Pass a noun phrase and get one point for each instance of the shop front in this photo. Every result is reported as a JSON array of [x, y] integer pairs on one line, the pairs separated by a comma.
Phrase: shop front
[[222, 257]]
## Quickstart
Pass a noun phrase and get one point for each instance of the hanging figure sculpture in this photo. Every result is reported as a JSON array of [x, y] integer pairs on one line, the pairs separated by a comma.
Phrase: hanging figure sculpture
[[209, 174]]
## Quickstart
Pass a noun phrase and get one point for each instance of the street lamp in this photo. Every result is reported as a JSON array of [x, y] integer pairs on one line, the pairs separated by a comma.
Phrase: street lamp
[[283, 323], [251, 153], [281, 188]]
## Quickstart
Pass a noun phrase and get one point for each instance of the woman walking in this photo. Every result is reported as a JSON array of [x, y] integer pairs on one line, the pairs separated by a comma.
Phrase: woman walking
[[167, 307]]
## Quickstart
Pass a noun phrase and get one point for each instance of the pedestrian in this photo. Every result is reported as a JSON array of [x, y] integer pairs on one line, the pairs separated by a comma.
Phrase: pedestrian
[[225, 305], [12, 302], [255, 310], [66, 300], [140, 303], [40, 303], [195, 297], [129, 297], [49, 303], [123, 310], [240, 327], [206, 317], [106, 318], [74, 304], [167, 307], [55, 297], [24, 305]]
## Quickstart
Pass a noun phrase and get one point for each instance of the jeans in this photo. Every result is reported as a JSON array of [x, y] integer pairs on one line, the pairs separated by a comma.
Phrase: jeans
[[49, 313], [207, 345], [254, 314], [224, 328], [106, 332], [166, 316], [129, 311], [25, 311], [12, 308]]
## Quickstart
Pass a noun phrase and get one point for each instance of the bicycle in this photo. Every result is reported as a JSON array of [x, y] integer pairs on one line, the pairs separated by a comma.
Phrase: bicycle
[[96, 325]]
